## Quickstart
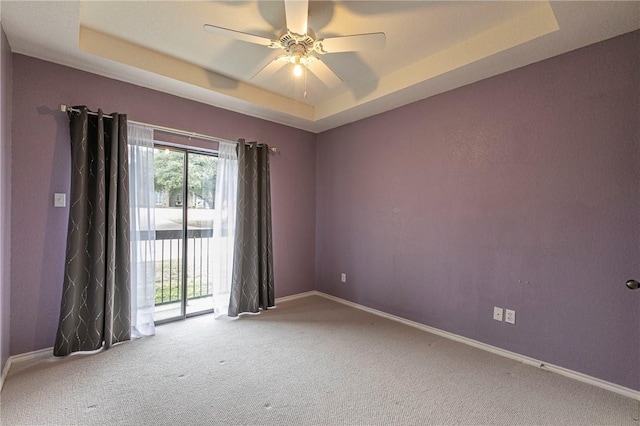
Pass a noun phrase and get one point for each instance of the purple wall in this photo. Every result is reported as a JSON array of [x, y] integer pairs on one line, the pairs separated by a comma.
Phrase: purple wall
[[5, 195], [520, 191], [41, 167]]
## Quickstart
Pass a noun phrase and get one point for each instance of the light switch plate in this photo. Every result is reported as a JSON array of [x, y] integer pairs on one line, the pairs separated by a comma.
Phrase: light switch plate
[[59, 199]]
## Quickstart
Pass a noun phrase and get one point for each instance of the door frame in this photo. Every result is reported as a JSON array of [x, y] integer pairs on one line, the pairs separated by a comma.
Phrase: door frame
[[185, 192]]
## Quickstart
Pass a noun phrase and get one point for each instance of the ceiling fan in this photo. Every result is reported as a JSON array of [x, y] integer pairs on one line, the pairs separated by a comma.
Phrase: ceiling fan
[[301, 44]]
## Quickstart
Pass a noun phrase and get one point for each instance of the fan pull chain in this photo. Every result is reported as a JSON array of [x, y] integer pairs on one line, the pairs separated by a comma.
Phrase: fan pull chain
[[305, 83]]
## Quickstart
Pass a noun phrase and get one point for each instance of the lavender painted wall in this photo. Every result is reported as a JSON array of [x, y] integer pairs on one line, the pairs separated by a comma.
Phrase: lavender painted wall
[[5, 195], [41, 167], [520, 191]]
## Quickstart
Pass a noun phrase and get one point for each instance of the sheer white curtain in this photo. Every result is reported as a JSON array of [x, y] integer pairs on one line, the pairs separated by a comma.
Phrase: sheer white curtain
[[224, 224], [142, 217]]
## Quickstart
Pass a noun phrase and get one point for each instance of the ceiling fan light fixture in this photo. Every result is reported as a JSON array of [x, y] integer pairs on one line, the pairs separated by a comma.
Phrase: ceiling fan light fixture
[[297, 70]]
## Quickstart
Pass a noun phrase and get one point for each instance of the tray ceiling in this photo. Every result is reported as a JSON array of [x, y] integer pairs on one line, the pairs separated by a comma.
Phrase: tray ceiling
[[431, 47]]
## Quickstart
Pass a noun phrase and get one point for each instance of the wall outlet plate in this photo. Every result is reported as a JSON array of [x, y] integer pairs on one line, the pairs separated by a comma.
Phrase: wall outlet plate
[[497, 313], [343, 277], [510, 316]]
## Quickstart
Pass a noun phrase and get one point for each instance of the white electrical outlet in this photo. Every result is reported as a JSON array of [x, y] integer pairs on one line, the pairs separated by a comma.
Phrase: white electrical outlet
[[343, 277], [497, 313], [510, 316]]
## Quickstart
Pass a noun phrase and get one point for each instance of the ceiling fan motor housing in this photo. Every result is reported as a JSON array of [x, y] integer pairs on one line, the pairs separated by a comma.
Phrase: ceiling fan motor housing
[[296, 44]]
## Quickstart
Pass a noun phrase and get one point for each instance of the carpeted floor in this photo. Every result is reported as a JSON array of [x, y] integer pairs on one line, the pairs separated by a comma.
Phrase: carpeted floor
[[309, 361]]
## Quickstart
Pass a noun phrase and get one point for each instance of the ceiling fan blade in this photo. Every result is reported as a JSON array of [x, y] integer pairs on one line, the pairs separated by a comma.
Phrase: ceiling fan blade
[[297, 12], [351, 43], [325, 74], [270, 69], [238, 35]]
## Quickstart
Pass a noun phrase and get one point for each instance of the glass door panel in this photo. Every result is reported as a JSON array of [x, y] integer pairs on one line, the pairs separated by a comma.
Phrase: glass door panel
[[201, 178], [169, 172]]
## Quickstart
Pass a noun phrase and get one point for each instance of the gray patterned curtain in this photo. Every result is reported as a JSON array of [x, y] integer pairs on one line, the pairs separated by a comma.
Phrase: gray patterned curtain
[[252, 281], [96, 301]]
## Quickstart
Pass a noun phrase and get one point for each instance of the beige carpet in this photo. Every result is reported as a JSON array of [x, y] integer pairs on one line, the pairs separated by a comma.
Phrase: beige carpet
[[310, 361]]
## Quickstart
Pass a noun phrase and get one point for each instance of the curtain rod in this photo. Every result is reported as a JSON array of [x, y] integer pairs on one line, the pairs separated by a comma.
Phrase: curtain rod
[[193, 135]]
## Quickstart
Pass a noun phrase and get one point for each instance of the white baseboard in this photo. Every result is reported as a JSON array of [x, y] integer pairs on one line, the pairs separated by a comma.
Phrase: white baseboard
[[17, 359], [5, 372], [296, 296], [39, 354], [630, 393]]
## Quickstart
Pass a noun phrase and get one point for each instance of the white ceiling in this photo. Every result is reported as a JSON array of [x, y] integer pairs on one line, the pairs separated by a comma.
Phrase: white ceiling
[[431, 47]]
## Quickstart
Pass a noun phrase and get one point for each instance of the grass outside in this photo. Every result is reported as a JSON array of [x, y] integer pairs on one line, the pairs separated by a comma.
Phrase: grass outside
[[168, 278]]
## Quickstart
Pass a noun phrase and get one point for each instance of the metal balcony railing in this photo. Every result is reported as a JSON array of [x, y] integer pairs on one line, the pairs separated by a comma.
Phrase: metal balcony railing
[[170, 261]]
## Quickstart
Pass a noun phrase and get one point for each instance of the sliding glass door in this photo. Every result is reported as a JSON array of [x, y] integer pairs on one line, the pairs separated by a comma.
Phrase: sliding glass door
[[185, 195]]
